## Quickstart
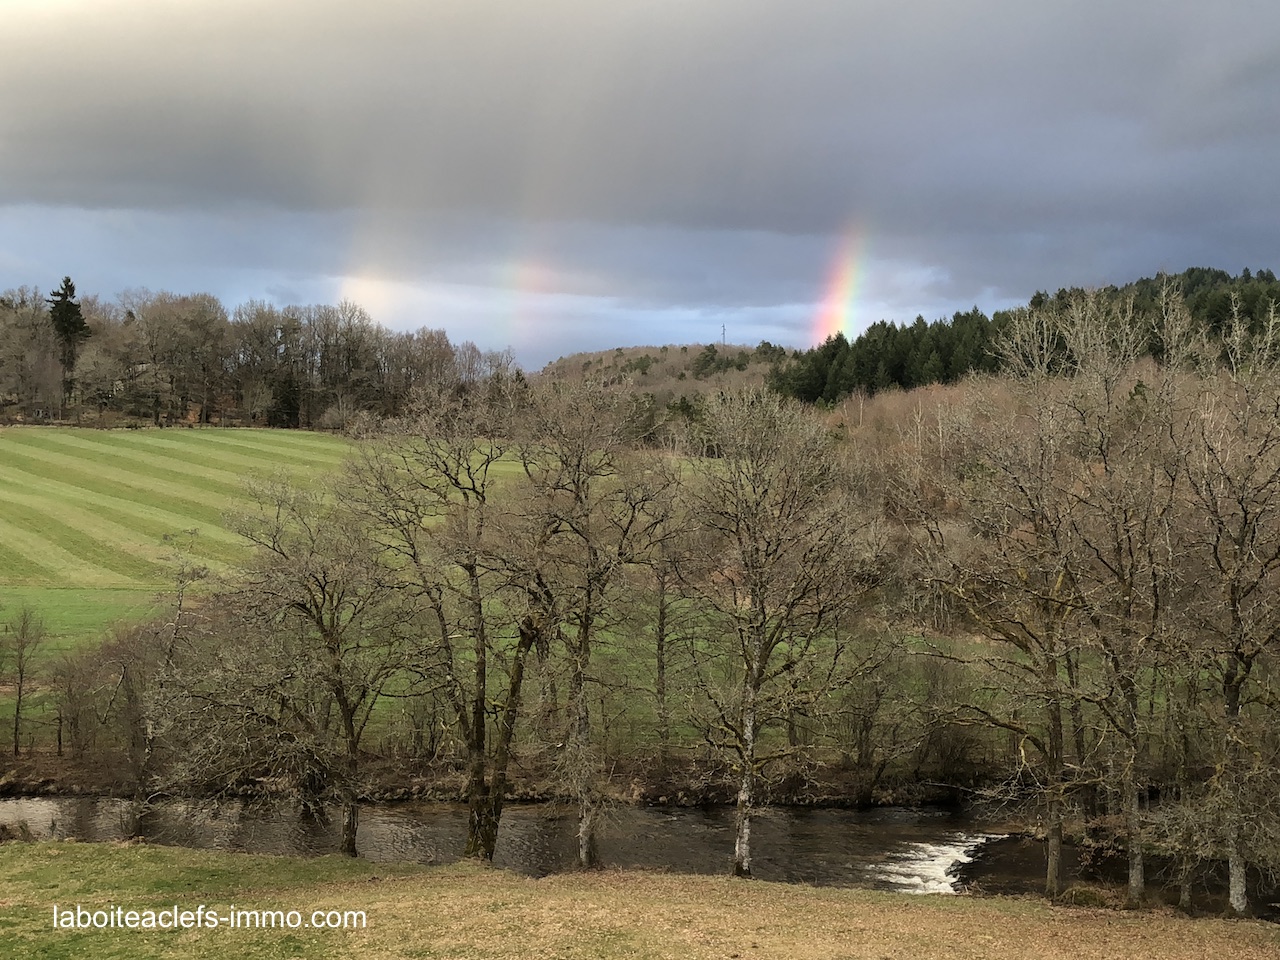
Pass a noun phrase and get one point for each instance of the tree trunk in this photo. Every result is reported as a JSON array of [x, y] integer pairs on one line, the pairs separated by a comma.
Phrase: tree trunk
[[17, 716], [350, 823], [578, 742], [135, 818], [1237, 895], [485, 797], [1076, 711], [588, 855], [1053, 865], [1133, 830], [746, 787], [742, 840], [1233, 684], [484, 811], [660, 689], [351, 741], [1185, 869], [1055, 761]]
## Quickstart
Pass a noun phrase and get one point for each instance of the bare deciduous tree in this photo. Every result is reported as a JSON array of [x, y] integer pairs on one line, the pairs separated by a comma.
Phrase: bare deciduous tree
[[284, 680], [428, 489], [23, 636], [1232, 608], [601, 504], [781, 560], [991, 484]]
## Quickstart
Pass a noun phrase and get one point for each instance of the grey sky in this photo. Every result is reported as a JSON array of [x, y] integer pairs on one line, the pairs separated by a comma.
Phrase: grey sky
[[575, 174]]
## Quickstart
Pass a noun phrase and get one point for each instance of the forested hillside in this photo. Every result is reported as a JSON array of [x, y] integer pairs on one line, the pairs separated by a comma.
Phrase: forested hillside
[[889, 354], [675, 371]]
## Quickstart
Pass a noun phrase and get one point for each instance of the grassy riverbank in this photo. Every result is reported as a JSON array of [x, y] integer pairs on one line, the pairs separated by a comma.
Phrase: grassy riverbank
[[471, 912]]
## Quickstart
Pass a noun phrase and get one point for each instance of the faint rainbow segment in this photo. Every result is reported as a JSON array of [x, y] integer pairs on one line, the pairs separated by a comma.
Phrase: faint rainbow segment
[[835, 311]]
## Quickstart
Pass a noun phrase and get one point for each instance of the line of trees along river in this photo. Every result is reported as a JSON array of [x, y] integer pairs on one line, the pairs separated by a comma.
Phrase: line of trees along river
[[1060, 582]]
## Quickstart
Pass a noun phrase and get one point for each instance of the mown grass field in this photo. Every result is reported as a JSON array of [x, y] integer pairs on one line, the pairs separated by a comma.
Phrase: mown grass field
[[466, 911], [84, 514]]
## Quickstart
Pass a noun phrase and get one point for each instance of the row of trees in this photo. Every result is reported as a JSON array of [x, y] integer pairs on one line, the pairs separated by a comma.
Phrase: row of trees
[[511, 557], [1079, 558], [168, 358], [1107, 525]]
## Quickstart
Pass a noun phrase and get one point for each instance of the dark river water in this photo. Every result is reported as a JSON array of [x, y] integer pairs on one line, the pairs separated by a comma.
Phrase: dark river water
[[909, 850]]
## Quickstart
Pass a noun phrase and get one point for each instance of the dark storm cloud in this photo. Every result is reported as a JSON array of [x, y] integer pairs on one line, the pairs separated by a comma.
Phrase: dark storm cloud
[[674, 155]]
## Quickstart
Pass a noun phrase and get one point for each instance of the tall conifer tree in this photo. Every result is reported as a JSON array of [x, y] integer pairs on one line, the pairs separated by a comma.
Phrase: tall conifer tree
[[70, 329]]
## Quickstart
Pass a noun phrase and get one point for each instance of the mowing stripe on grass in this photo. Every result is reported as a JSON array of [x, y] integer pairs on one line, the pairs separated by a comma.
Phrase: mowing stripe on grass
[[216, 547], [241, 449], [203, 454], [121, 483], [176, 463], [88, 534], [148, 518], [322, 444], [67, 566], [17, 567], [271, 448], [84, 514], [135, 465]]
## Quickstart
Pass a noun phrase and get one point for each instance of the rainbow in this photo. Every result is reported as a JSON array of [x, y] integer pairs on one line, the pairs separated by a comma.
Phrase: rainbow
[[499, 308], [835, 312]]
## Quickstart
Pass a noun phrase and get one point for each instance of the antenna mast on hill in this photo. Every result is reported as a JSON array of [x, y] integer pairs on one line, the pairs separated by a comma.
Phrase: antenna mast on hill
[[722, 334]]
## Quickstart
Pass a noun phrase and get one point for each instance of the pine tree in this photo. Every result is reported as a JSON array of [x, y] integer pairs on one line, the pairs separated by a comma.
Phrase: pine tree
[[70, 329]]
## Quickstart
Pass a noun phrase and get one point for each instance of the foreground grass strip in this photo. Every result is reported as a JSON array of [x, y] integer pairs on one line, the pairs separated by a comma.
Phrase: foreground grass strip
[[471, 912], [75, 614], [35, 877]]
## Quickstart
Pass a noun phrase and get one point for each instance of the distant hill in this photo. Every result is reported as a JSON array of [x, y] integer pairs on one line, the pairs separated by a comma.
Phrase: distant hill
[[889, 355], [675, 373]]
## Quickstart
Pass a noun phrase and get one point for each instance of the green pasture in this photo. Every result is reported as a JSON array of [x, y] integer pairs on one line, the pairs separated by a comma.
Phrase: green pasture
[[90, 520]]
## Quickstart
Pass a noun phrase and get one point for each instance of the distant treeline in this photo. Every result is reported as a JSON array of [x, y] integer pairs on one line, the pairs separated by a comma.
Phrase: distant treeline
[[890, 355], [168, 358]]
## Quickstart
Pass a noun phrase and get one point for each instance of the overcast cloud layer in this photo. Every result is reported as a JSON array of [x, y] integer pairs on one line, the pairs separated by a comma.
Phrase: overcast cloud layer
[[575, 174]]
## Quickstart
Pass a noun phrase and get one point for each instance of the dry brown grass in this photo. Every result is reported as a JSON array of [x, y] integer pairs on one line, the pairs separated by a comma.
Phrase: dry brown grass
[[466, 911], [469, 913]]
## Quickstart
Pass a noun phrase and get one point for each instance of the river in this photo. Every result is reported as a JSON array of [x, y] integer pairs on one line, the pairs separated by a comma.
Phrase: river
[[895, 848]]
